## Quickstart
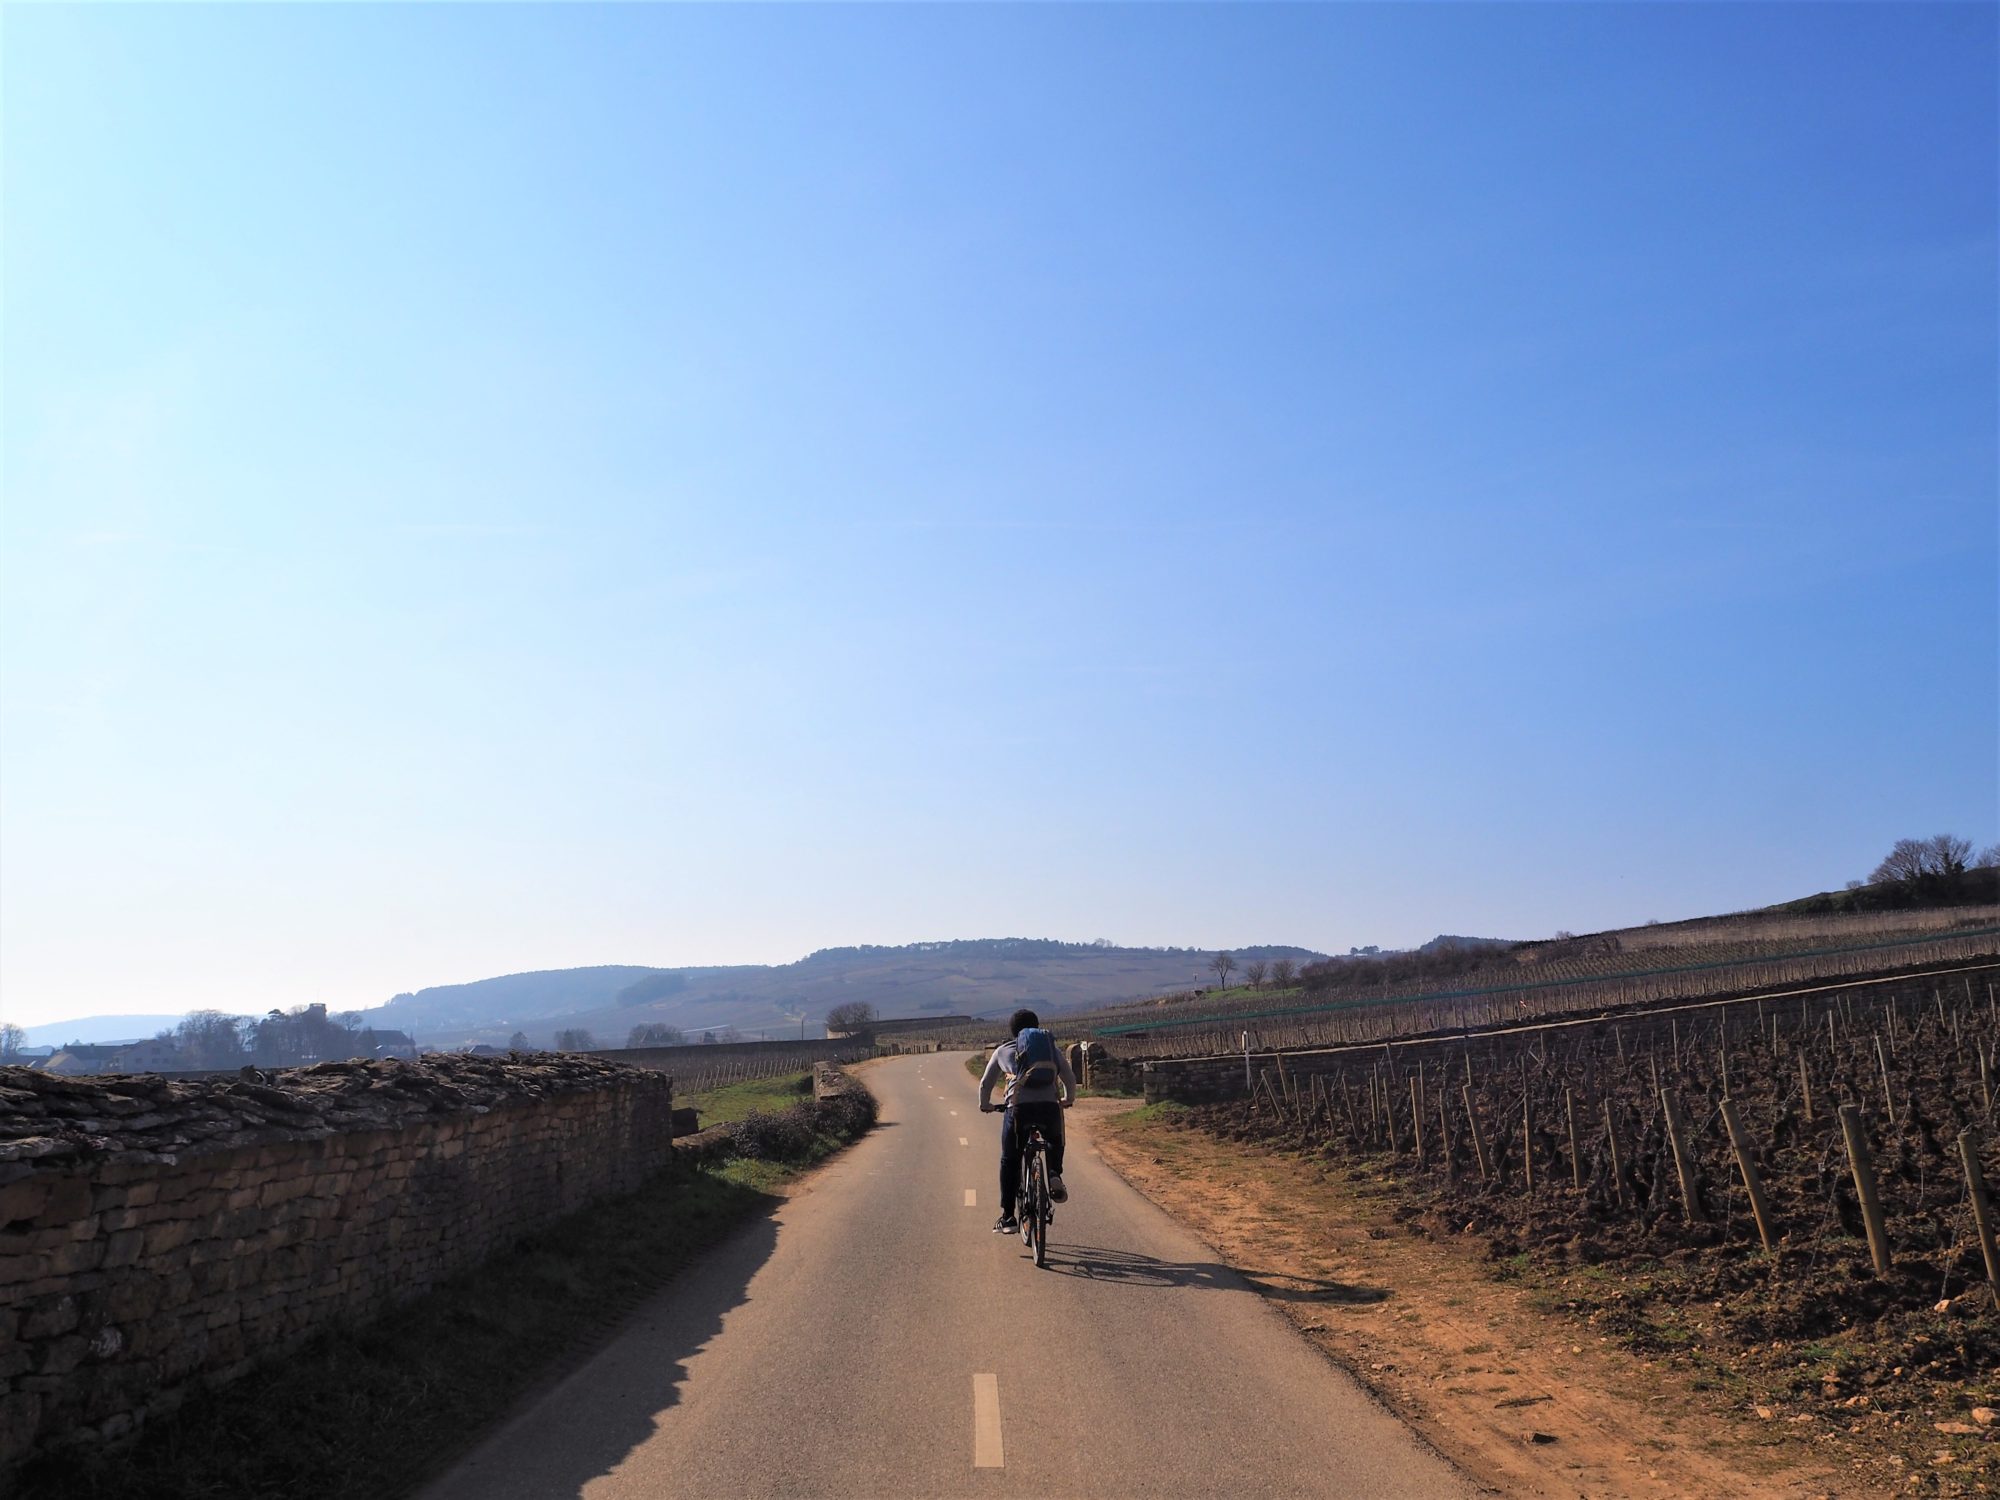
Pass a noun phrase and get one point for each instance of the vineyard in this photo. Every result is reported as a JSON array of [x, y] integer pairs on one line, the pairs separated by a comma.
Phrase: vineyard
[[1805, 1170], [697, 1076], [1540, 981]]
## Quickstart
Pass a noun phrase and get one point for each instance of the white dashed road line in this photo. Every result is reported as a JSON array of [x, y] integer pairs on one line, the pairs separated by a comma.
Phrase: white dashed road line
[[986, 1453]]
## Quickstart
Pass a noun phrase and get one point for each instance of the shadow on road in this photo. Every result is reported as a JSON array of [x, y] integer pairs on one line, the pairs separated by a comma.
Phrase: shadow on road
[[1125, 1268], [558, 1443]]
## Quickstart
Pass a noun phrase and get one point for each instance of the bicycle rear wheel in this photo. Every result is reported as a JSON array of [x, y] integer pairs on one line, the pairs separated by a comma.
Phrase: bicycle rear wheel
[[1039, 1194]]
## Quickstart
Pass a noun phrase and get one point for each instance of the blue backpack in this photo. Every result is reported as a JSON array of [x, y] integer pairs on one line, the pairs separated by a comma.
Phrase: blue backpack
[[1034, 1057]]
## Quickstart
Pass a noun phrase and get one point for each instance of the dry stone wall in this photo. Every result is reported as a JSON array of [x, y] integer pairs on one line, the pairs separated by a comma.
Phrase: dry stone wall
[[158, 1235]]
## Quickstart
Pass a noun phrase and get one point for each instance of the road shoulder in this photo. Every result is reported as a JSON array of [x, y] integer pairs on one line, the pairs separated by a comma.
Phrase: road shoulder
[[1525, 1400]]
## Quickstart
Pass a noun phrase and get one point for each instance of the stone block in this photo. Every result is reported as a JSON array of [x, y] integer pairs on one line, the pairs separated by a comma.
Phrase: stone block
[[133, 1298], [123, 1248], [80, 1255], [22, 1266], [67, 1202], [171, 1189], [284, 1191], [168, 1234], [22, 1201], [60, 1356], [50, 1317], [20, 1421]]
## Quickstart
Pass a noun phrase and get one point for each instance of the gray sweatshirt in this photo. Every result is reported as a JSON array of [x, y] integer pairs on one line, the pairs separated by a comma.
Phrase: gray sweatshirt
[[1001, 1065]]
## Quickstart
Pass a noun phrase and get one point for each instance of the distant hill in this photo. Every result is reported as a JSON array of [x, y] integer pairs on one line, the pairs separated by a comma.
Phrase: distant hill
[[514, 997], [99, 1029], [966, 977]]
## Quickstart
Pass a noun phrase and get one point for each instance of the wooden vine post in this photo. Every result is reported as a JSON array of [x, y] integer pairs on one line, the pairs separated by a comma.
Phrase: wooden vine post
[[1527, 1136], [1740, 1143], [1684, 1164], [1444, 1132], [1575, 1159], [1417, 1119], [1864, 1185], [1617, 1167], [1982, 1208], [1479, 1152], [1888, 1100], [1805, 1084]]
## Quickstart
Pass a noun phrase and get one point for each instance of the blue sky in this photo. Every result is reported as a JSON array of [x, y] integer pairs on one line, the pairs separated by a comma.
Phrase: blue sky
[[489, 489]]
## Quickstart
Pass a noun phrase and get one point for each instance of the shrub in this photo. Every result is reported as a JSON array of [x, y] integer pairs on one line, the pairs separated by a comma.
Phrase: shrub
[[802, 1132], [778, 1135], [849, 1114]]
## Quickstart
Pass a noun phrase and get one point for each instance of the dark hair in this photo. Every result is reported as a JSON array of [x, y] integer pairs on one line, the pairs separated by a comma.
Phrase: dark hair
[[1020, 1020]]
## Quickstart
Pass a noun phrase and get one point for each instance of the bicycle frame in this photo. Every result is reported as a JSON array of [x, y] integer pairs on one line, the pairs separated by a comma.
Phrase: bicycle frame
[[1036, 1207]]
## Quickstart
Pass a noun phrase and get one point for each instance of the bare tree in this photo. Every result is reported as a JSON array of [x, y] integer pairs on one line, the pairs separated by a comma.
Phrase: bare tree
[[1254, 971], [575, 1039], [855, 1016], [518, 1042], [1989, 858], [1940, 857], [12, 1040], [655, 1034], [1283, 971], [1949, 854], [209, 1039], [1223, 965]]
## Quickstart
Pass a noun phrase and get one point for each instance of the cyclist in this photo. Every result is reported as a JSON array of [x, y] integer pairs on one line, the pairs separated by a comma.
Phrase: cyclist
[[1029, 1106]]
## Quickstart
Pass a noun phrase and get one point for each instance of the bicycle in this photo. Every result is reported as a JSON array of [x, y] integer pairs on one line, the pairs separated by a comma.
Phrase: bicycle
[[1036, 1209]]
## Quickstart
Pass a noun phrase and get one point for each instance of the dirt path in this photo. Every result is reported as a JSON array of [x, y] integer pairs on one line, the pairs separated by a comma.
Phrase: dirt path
[[1526, 1400]]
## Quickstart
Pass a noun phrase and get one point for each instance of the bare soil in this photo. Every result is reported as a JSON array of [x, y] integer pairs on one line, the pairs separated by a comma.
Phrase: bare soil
[[1511, 1367]]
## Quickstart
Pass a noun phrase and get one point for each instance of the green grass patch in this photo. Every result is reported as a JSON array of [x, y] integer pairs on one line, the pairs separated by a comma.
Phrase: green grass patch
[[1162, 1111], [366, 1412], [733, 1101]]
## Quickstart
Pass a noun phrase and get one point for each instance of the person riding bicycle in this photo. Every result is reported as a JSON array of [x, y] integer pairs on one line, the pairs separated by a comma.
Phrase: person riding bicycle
[[1033, 1103]]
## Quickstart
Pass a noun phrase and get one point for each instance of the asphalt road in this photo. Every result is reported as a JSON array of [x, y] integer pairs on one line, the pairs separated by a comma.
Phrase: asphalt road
[[874, 1338]]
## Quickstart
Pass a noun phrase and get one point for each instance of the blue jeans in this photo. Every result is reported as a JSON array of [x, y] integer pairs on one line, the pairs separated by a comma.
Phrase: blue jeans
[[1020, 1118]]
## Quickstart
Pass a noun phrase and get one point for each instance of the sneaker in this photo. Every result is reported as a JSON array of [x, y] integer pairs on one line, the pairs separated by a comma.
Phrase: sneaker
[[1005, 1225], [1056, 1189]]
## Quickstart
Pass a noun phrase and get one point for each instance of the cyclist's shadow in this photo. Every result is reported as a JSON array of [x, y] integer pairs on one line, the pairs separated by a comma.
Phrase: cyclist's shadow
[[1126, 1268]]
